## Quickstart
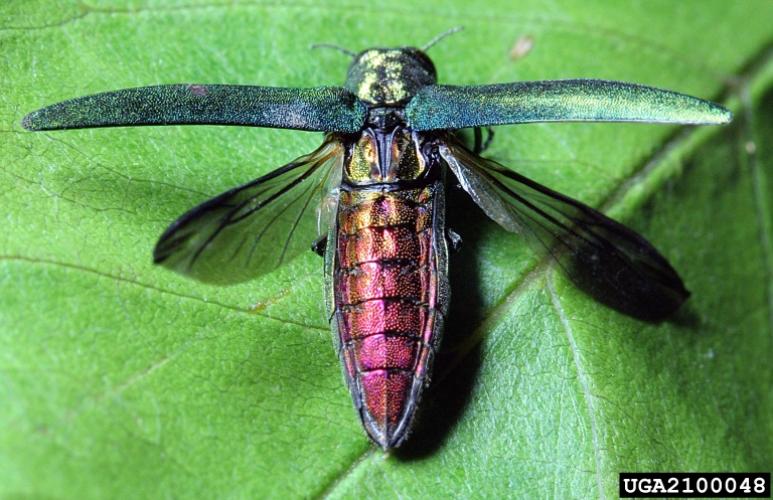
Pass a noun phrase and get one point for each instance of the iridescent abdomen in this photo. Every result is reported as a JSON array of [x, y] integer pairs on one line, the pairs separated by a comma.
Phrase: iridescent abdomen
[[389, 294]]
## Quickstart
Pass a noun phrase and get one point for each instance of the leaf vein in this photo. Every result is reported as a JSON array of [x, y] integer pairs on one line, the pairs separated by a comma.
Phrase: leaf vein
[[585, 384], [85, 269]]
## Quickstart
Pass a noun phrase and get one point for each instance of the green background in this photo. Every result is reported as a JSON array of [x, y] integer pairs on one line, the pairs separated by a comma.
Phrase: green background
[[118, 379]]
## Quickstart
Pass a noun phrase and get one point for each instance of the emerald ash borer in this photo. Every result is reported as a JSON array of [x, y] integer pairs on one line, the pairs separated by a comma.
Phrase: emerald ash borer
[[372, 199]]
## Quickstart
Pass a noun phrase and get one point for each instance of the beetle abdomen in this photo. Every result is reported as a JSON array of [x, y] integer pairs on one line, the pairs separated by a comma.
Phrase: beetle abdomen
[[389, 292]]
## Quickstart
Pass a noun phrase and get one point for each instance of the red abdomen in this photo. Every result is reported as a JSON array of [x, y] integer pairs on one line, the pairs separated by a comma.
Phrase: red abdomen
[[389, 294]]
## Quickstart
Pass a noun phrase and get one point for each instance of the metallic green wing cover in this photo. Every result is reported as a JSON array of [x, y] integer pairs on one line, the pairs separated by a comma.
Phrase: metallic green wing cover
[[325, 109], [451, 107]]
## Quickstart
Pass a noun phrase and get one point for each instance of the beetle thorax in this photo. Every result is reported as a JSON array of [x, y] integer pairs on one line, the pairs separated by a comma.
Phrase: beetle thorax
[[389, 77], [380, 156]]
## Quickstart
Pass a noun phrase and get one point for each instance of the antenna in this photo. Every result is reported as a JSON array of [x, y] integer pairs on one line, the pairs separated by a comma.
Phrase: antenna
[[441, 36], [334, 47]]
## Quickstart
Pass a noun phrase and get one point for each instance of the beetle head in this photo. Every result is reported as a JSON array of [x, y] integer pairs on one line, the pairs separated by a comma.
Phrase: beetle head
[[389, 77]]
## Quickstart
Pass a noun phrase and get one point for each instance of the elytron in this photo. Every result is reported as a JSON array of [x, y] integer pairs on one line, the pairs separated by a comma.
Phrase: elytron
[[372, 199]]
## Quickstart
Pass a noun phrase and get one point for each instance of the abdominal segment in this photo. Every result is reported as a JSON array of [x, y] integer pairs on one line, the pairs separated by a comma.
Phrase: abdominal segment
[[389, 299]]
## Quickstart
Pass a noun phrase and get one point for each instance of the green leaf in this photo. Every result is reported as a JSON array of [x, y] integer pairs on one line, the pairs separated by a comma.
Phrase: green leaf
[[119, 379]]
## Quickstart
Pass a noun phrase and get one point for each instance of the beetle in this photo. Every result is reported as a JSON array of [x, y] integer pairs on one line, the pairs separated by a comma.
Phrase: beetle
[[374, 193]]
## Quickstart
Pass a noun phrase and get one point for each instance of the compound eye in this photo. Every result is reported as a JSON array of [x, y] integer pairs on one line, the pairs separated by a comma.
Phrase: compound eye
[[422, 60]]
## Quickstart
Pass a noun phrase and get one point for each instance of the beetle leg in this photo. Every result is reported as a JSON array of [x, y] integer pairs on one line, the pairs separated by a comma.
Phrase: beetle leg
[[319, 246], [489, 138], [454, 240], [480, 145], [477, 146]]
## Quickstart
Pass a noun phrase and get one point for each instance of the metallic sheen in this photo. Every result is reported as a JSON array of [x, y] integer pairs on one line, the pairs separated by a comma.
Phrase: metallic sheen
[[387, 268], [327, 109], [451, 107], [373, 195]]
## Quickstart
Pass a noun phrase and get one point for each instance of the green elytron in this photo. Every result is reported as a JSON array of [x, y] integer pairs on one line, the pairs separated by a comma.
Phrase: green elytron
[[372, 198]]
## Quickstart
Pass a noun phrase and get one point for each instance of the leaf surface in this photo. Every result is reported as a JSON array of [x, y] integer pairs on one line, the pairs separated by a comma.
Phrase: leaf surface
[[120, 379]]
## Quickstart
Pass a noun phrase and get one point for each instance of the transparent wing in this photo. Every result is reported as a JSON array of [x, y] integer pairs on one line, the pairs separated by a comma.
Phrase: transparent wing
[[610, 261], [254, 228]]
